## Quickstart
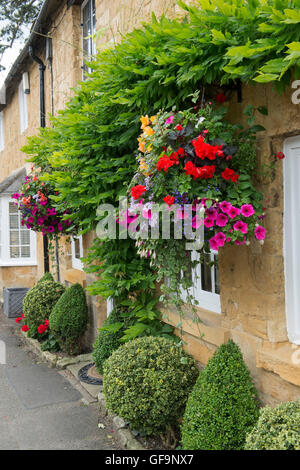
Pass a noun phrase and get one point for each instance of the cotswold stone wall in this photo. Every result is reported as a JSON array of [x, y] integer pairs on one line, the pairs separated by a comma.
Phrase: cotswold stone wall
[[252, 278]]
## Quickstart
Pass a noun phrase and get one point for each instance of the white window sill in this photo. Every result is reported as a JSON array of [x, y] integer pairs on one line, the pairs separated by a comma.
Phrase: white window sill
[[7, 264]]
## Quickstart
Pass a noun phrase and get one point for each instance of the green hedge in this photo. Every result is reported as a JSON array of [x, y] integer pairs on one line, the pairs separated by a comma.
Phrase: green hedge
[[69, 318], [106, 342], [223, 406], [277, 428], [39, 302], [46, 277], [147, 382]]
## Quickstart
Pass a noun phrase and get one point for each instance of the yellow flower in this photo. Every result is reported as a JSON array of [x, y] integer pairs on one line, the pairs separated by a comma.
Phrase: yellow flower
[[142, 144], [153, 119], [148, 130], [145, 121]]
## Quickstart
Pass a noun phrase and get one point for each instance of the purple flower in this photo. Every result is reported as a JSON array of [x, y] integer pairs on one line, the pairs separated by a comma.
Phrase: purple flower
[[15, 196], [50, 229]]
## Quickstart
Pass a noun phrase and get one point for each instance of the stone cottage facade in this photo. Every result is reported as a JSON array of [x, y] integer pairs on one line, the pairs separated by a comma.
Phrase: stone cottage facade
[[253, 295]]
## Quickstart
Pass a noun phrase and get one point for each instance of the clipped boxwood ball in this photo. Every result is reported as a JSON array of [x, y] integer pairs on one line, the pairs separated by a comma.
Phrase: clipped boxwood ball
[[277, 428], [69, 318], [106, 342], [147, 382], [222, 407], [39, 302]]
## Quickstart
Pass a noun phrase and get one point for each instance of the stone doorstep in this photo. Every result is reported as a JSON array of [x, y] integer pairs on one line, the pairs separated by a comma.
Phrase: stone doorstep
[[282, 358], [122, 432]]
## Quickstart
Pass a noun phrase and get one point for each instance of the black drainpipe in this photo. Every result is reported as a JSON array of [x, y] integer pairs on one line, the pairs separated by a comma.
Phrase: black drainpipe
[[42, 69]]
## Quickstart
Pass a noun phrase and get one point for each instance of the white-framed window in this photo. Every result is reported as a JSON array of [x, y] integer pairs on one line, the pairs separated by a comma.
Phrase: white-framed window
[[206, 285], [17, 242], [2, 142], [77, 252], [23, 108], [89, 21], [291, 234]]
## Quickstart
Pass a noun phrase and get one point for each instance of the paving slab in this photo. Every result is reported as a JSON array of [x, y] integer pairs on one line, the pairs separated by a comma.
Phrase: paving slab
[[40, 409], [93, 390]]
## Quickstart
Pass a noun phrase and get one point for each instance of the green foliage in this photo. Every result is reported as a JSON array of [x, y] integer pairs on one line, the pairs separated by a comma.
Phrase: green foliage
[[46, 277], [50, 344], [39, 302], [147, 382], [107, 341], [277, 428], [69, 318], [131, 282], [222, 407]]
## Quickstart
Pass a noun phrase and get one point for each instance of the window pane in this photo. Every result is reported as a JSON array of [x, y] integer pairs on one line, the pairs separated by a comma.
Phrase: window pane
[[77, 248], [217, 280], [13, 222], [19, 237], [25, 252], [206, 274], [25, 237], [14, 237], [14, 252]]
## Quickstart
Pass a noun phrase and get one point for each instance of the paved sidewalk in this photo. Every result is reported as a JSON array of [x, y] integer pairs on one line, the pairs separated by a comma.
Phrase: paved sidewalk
[[39, 408]]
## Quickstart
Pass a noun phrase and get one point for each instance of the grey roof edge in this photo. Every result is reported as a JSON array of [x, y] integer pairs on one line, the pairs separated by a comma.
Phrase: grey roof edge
[[15, 176], [24, 54]]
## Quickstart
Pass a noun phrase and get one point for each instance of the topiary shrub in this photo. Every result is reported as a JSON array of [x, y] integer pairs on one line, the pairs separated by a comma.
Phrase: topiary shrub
[[223, 405], [147, 382], [276, 429], [39, 302], [69, 318], [106, 342], [46, 277]]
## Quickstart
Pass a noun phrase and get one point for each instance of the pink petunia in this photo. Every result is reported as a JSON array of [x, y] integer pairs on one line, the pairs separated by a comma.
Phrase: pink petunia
[[225, 206], [213, 244], [197, 221], [222, 220], [233, 212], [237, 242], [220, 238], [170, 120], [247, 210], [209, 222], [211, 213], [260, 232], [241, 226]]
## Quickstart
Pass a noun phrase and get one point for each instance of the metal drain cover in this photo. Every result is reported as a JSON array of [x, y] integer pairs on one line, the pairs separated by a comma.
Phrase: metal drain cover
[[89, 375]]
